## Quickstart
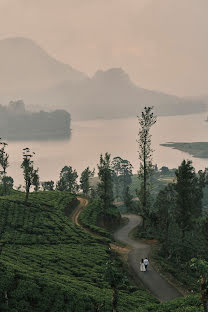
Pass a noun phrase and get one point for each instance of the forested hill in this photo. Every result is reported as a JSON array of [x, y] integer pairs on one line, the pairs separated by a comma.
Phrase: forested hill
[[18, 124]]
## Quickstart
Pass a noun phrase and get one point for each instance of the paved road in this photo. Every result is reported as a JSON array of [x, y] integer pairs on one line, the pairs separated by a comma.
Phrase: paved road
[[151, 279]]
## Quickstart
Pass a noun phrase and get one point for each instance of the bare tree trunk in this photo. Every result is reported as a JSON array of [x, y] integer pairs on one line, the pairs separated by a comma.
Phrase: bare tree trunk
[[115, 299], [27, 192], [204, 293], [99, 307], [6, 298]]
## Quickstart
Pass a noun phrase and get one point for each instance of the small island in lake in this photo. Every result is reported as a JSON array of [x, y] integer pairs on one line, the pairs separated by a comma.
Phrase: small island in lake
[[16, 123], [196, 149]]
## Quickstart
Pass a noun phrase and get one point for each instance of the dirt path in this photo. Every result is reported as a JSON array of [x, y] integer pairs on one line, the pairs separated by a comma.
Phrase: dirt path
[[75, 214], [151, 279]]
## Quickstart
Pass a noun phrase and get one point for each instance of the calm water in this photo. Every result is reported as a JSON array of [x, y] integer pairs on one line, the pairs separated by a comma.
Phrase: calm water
[[118, 137]]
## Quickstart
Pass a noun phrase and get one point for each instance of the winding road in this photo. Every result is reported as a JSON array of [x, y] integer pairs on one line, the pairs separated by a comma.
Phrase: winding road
[[76, 212], [151, 279]]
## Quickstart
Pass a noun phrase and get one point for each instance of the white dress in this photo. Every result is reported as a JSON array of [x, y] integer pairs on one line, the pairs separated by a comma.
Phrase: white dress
[[142, 267]]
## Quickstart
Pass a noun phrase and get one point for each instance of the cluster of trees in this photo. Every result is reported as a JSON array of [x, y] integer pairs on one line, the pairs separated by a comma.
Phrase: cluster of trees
[[114, 178], [16, 123], [6, 181], [176, 218]]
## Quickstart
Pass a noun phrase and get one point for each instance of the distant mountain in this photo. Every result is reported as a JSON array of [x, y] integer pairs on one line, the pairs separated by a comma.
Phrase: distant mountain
[[25, 66], [28, 73], [111, 94]]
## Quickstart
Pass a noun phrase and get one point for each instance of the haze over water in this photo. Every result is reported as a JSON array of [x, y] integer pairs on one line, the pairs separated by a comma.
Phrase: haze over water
[[118, 137]]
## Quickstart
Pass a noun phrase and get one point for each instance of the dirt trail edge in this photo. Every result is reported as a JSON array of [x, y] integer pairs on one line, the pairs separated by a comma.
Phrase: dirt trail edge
[[151, 279], [75, 214]]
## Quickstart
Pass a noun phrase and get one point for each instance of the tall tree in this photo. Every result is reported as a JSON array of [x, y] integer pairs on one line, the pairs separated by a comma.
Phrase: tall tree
[[85, 180], [125, 174], [105, 186], [122, 175], [36, 180], [146, 121], [164, 206], [8, 184], [128, 200], [28, 170], [68, 180], [116, 166], [4, 164], [189, 196]]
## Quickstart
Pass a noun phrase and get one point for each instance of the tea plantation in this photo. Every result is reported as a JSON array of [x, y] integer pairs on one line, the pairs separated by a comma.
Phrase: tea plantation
[[48, 264]]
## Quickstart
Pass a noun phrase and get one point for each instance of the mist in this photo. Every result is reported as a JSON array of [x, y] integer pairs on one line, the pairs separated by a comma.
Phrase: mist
[[161, 44]]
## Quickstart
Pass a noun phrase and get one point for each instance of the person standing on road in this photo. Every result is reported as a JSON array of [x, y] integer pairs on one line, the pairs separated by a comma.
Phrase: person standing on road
[[146, 262], [142, 267]]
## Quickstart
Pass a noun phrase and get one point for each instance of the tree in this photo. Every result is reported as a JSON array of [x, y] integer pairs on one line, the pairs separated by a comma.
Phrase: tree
[[123, 173], [115, 279], [48, 185], [8, 184], [164, 170], [116, 166], [4, 164], [36, 180], [165, 205], [28, 170], [146, 121], [85, 180], [128, 200], [189, 196], [67, 181], [201, 267], [105, 186]]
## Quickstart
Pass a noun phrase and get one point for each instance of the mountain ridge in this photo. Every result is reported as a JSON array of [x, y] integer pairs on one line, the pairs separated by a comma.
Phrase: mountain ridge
[[29, 73]]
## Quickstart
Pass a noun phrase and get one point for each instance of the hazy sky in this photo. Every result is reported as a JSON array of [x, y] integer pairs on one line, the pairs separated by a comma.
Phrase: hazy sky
[[162, 44]]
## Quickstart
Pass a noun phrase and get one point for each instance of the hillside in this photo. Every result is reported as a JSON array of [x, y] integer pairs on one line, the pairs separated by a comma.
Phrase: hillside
[[50, 264], [25, 66], [29, 73]]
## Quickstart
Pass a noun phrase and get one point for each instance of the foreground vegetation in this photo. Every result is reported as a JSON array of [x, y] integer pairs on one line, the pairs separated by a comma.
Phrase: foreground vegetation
[[49, 264]]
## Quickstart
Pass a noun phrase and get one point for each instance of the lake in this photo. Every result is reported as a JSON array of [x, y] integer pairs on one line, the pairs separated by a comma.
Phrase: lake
[[118, 137]]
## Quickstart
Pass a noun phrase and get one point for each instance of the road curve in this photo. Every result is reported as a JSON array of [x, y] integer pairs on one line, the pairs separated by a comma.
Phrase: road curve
[[151, 279], [75, 214]]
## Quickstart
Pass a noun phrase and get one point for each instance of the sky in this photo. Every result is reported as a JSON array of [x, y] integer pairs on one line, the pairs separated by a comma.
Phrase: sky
[[162, 44]]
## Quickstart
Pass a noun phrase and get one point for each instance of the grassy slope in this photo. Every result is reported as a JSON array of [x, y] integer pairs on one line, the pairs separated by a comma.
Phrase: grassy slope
[[50, 264]]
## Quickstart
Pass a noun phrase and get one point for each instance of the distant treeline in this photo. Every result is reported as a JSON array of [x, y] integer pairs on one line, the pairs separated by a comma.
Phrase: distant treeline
[[18, 124]]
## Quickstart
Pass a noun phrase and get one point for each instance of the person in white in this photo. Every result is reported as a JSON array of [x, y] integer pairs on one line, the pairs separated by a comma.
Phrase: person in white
[[146, 262], [142, 266]]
